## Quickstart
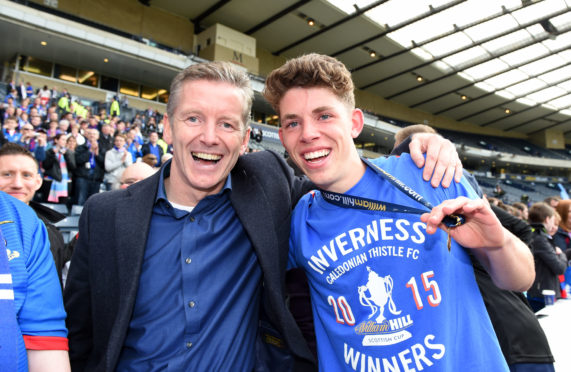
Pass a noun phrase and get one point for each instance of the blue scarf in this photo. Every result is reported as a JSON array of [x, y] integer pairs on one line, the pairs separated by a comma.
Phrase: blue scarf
[[8, 323]]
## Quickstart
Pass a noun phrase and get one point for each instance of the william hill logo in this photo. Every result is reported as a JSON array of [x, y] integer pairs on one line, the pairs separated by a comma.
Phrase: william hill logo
[[387, 326]]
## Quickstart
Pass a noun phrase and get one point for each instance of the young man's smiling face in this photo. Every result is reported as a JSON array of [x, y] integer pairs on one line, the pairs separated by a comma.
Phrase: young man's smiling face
[[317, 130], [208, 135]]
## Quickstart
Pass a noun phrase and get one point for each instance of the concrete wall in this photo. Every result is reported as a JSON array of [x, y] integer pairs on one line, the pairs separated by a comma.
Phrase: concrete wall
[[134, 18]]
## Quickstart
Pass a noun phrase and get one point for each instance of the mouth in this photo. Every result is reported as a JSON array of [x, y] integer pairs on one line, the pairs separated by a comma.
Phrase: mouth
[[315, 156], [203, 156]]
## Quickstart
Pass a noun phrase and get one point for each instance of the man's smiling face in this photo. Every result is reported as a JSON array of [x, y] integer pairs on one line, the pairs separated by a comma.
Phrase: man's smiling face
[[208, 135]]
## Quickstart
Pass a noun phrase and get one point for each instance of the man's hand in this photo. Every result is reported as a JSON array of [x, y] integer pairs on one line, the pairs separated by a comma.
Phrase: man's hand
[[482, 229], [506, 258], [42, 139], [442, 161]]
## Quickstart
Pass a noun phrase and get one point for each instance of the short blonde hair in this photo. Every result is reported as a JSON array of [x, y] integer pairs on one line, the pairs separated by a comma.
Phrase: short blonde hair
[[217, 71]]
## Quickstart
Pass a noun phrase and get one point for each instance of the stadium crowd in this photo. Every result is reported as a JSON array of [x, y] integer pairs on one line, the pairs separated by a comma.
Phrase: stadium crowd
[[79, 152]]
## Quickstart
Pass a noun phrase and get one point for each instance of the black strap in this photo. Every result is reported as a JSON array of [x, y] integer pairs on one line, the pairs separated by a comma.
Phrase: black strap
[[356, 202]]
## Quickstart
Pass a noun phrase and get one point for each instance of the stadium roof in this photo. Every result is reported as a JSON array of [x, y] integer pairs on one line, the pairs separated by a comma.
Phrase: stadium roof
[[504, 64], [499, 64]]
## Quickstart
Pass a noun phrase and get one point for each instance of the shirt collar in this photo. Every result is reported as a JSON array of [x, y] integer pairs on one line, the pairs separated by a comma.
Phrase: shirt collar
[[165, 173]]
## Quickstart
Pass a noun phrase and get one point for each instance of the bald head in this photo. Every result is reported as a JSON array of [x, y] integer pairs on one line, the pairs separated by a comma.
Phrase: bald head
[[135, 173]]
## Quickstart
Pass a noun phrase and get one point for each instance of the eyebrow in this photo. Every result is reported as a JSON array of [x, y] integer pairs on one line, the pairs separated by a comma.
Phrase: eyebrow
[[314, 111]]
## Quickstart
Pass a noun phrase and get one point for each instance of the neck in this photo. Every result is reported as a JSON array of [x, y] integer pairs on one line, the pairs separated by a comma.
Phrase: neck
[[352, 174], [179, 191]]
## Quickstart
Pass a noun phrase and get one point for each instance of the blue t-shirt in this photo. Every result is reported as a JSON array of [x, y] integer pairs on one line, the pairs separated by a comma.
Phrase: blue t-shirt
[[38, 299], [387, 296]]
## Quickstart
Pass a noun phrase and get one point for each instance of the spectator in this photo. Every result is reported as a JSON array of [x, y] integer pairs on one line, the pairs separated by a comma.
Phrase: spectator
[[58, 167], [550, 261], [552, 201], [33, 142], [116, 161], [63, 104], [45, 95], [90, 168], [19, 178], [29, 90], [10, 131], [523, 209], [153, 148], [521, 338], [134, 173], [562, 237], [133, 146], [63, 126], [53, 130], [114, 109], [31, 311], [36, 121], [150, 159], [106, 138], [75, 133]]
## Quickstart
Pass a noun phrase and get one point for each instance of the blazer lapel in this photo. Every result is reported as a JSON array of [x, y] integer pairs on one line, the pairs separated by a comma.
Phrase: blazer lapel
[[253, 210], [132, 219]]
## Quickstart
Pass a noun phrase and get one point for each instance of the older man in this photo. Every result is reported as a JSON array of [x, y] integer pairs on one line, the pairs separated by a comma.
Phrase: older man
[[185, 251]]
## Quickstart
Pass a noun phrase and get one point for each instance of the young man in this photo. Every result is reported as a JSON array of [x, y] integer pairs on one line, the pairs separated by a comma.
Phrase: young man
[[386, 292], [186, 251]]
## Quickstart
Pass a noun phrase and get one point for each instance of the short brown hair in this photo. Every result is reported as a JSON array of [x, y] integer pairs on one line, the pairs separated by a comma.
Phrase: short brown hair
[[409, 130], [218, 71], [538, 212], [120, 135], [11, 148], [308, 71]]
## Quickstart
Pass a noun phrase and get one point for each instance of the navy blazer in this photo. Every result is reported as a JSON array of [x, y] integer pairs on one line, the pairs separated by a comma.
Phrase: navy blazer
[[103, 280]]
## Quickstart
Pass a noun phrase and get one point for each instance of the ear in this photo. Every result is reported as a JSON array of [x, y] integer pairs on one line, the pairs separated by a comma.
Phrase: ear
[[281, 135], [39, 182], [167, 130], [245, 141], [358, 121]]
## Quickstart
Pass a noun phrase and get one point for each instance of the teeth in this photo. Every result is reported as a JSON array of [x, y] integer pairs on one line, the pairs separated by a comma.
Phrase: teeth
[[315, 154], [205, 156]]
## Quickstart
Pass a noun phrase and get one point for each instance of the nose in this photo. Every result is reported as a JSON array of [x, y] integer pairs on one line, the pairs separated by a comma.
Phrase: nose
[[17, 182], [309, 131], [209, 133]]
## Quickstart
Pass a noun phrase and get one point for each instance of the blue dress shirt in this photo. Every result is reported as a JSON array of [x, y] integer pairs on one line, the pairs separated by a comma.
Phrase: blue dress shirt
[[197, 305]]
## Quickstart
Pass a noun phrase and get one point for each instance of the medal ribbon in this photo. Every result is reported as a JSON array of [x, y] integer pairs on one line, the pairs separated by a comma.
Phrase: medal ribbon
[[356, 202]]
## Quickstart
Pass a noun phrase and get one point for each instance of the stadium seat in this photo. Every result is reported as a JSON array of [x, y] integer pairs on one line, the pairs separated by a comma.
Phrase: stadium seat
[[61, 208]]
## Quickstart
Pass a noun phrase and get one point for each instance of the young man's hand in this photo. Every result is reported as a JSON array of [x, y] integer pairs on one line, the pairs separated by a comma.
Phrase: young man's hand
[[442, 161], [506, 258], [482, 229]]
